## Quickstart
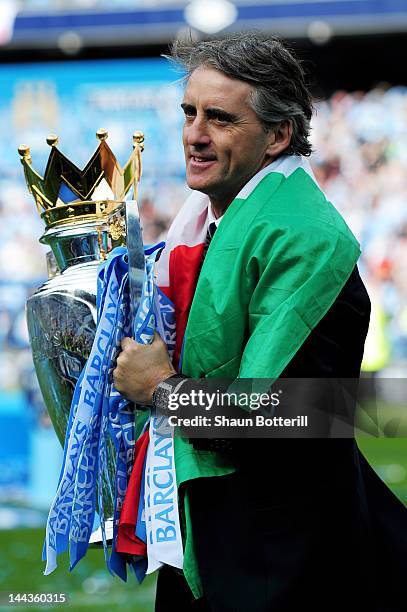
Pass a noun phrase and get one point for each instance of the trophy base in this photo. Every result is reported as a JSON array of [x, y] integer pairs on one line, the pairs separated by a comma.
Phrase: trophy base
[[96, 540]]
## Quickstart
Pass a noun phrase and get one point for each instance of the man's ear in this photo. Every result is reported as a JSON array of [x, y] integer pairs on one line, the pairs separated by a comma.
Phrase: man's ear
[[280, 138]]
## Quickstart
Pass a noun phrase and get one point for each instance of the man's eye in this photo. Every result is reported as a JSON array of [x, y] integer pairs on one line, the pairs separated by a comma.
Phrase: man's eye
[[220, 119]]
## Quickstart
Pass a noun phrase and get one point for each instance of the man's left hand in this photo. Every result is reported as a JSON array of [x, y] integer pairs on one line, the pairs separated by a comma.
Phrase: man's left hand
[[140, 368]]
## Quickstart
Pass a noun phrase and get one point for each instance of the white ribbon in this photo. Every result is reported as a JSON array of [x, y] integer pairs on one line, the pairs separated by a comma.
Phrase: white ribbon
[[164, 541]]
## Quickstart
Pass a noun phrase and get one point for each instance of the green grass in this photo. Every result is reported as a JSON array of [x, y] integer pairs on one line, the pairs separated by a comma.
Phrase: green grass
[[88, 587], [389, 458], [388, 455]]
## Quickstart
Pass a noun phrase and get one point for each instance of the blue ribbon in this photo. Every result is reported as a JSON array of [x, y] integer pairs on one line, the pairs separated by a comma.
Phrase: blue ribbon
[[75, 496], [98, 411]]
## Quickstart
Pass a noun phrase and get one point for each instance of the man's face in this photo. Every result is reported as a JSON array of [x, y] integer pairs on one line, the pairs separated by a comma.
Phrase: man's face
[[224, 141]]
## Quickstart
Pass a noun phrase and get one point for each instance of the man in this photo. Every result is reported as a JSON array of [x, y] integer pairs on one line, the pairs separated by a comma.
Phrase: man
[[269, 525]]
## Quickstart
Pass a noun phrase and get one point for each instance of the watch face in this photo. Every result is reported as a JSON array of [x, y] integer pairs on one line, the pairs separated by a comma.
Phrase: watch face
[[163, 391]]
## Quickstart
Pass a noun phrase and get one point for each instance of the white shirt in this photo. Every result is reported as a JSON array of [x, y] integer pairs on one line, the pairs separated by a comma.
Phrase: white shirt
[[212, 218]]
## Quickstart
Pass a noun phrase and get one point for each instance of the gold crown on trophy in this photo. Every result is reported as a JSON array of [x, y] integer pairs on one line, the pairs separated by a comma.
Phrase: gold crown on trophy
[[68, 194]]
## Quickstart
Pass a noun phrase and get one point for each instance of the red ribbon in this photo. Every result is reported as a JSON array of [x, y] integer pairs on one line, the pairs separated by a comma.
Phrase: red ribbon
[[127, 541]]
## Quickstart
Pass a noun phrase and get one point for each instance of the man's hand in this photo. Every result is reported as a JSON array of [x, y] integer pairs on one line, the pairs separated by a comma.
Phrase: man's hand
[[139, 369]]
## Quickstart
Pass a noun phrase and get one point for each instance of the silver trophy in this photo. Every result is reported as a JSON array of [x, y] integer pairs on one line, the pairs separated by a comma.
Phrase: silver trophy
[[86, 215]]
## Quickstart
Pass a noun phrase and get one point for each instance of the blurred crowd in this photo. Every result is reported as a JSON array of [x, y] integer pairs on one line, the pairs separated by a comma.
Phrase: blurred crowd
[[360, 161]]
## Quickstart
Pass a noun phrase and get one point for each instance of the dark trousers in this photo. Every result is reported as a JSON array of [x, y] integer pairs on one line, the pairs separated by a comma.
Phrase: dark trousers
[[174, 594], [282, 536]]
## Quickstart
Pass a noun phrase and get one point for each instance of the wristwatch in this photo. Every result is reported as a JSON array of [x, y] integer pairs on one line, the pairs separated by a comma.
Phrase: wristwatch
[[160, 401], [164, 389]]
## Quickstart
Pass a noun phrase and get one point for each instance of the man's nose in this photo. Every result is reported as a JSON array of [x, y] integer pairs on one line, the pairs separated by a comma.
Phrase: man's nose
[[196, 133]]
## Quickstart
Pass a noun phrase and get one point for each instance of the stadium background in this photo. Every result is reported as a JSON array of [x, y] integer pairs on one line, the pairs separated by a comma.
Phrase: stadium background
[[72, 67]]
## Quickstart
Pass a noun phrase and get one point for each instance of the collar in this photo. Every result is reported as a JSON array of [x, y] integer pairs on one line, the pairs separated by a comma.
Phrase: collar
[[211, 216]]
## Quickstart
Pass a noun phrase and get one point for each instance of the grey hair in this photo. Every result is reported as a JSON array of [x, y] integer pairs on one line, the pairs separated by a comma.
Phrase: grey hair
[[280, 92]]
